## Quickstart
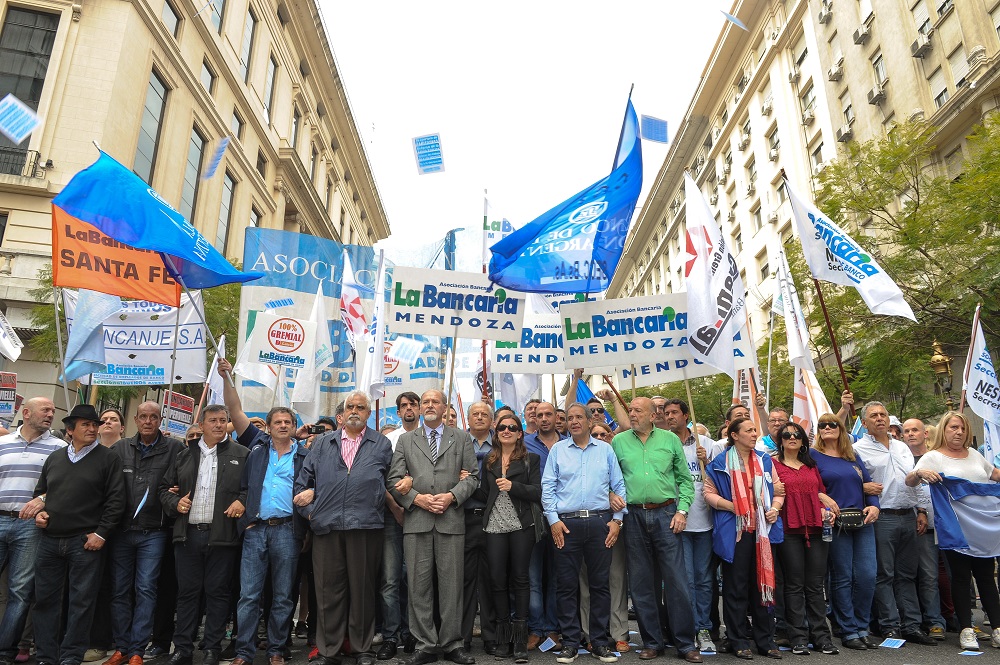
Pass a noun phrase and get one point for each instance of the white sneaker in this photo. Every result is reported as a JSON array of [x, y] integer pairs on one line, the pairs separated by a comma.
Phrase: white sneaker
[[378, 639], [705, 642], [967, 639], [995, 638]]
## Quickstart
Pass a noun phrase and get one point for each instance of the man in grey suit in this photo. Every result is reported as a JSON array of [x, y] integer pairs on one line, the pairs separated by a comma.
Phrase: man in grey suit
[[435, 456]]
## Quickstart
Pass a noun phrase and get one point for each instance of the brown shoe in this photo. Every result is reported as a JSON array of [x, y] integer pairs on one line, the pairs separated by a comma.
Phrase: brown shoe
[[117, 658], [277, 659], [533, 641], [693, 656], [135, 660], [622, 646], [648, 654]]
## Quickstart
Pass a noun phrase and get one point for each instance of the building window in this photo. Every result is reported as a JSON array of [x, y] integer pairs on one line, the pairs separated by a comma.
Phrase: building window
[[808, 98], [296, 121], [237, 124], [746, 127], [782, 192], [149, 129], [959, 66], [3, 225], [313, 160], [192, 170], [921, 18], [816, 156], [261, 164], [225, 212], [207, 77], [878, 65], [800, 51], [272, 73], [25, 46], [246, 47], [752, 172], [758, 220], [728, 159], [847, 109], [329, 194], [724, 117], [256, 218], [773, 140], [945, 7], [738, 240], [995, 15], [171, 19], [939, 89], [218, 12], [764, 269]]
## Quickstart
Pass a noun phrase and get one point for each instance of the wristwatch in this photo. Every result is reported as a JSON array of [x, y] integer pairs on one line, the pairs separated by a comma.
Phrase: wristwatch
[[618, 522], [682, 512]]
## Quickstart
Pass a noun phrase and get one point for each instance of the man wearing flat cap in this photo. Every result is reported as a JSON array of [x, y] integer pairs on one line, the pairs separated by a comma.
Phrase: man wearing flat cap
[[83, 491]]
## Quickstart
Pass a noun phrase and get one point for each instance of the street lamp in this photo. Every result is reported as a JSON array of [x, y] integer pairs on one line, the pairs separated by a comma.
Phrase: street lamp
[[941, 364]]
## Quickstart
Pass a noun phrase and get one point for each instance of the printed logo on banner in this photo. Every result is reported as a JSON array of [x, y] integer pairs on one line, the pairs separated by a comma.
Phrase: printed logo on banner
[[538, 351], [286, 335], [8, 395], [280, 340], [181, 413], [654, 373]]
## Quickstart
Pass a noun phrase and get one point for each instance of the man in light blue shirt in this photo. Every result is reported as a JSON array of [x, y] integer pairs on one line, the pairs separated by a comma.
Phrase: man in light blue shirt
[[580, 477]]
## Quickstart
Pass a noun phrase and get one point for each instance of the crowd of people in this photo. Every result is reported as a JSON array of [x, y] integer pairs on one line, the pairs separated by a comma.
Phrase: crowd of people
[[551, 527]]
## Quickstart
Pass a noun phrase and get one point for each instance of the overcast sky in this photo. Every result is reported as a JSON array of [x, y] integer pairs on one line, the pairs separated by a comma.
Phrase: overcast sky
[[528, 97]]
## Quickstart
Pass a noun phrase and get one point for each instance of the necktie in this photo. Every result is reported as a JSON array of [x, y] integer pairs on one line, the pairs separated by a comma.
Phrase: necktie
[[434, 446]]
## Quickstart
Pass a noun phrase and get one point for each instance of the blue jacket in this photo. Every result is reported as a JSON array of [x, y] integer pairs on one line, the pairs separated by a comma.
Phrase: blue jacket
[[253, 483], [724, 533], [345, 498]]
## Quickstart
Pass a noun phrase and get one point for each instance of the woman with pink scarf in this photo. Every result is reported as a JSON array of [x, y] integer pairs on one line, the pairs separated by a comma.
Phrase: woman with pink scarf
[[740, 487]]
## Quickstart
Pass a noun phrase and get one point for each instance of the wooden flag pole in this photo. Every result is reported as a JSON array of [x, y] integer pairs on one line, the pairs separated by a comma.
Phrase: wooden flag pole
[[968, 364], [618, 395], [833, 341]]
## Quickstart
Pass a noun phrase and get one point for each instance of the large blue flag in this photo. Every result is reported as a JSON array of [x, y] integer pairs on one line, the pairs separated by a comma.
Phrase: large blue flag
[[966, 516], [118, 203], [575, 247], [85, 348]]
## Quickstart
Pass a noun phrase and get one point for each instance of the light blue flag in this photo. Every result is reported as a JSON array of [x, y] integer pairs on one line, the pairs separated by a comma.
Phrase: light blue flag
[[85, 348], [584, 394], [575, 247], [118, 203], [966, 516], [735, 21], [654, 129]]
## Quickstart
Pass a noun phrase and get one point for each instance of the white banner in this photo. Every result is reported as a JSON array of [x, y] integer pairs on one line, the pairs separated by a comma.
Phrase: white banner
[[796, 330], [539, 351], [139, 341], [448, 303], [283, 341], [809, 402], [981, 387]]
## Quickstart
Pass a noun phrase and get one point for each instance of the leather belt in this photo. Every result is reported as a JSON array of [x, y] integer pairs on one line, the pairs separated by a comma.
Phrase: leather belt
[[275, 521], [651, 506], [201, 527], [896, 511], [16, 514], [581, 514]]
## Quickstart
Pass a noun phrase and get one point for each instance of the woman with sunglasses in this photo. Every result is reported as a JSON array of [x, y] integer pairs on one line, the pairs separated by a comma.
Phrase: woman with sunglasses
[[739, 485], [803, 554], [602, 432], [510, 484], [852, 560]]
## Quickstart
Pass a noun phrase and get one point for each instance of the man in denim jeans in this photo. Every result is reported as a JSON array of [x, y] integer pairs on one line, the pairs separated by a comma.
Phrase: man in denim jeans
[[22, 453], [137, 552]]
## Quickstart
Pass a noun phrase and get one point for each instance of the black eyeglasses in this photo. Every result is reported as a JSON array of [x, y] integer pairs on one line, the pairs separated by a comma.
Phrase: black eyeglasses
[[787, 436], [508, 428], [827, 426], [599, 409]]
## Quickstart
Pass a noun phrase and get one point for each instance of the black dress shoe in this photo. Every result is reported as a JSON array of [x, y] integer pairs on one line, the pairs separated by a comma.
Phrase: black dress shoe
[[870, 642], [410, 644], [229, 653], [178, 659], [856, 643], [490, 647], [918, 637], [460, 656], [211, 658], [420, 658], [892, 634], [387, 650]]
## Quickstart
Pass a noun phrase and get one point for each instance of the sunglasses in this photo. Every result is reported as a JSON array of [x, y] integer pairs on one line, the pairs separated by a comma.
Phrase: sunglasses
[[508, 428], [787, 436], [827, 425], [599, 409]]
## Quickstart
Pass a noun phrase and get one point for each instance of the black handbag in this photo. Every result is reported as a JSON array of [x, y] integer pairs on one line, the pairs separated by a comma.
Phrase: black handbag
[[850, 519], [541, 526]]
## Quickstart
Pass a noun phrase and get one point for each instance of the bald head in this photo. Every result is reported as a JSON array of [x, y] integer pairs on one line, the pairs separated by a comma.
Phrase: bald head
[[433, 405], [640, 415], [915, 435], [38, 414], [147, 421]]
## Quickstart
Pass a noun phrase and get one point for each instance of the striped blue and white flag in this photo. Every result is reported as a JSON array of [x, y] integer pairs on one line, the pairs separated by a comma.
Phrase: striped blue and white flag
[[966, 515]]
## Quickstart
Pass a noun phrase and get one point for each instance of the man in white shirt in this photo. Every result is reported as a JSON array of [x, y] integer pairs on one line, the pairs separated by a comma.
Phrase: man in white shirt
[[903, 511]]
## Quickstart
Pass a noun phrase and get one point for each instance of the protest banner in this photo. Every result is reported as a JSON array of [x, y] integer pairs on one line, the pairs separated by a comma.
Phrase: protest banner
[[283, 341], [85, 258], [8, 395], [181, 413], [538, 351], [139, 341], [453, 304]]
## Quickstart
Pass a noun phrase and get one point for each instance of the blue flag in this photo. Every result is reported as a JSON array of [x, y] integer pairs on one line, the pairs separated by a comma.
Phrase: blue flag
[[584, 395], [118, 203], [575, 247], [85, 347], [965, 516]]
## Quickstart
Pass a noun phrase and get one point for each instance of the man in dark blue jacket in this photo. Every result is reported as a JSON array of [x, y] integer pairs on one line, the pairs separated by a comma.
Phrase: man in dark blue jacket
[[341, 489], [272, 532]]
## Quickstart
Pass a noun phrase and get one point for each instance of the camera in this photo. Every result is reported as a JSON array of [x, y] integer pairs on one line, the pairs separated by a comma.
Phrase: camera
[[317, 429]]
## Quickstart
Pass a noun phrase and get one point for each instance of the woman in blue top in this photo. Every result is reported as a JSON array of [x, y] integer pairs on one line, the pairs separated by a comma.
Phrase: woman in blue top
[[852, 552]]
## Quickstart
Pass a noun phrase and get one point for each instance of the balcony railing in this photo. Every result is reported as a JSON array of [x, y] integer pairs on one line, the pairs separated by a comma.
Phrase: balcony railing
[[19, 162]]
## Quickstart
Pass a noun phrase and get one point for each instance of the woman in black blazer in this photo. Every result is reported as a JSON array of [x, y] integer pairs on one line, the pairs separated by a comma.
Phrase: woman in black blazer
[[511, 485]]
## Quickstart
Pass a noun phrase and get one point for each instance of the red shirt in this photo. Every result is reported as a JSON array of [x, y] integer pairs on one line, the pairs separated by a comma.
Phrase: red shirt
[[803, 486]]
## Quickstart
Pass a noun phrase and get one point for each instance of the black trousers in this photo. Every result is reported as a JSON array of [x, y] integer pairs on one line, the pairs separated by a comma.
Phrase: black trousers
[[963, 567], [509, 557], [804, 566], [166, 601], [202, 568], [740, 594], [476, 592]]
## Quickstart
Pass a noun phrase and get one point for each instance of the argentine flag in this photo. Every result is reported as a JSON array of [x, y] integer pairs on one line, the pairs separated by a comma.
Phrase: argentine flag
[[966, 515]]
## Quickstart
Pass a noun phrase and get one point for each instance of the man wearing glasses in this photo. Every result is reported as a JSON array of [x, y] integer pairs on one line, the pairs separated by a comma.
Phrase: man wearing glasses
[[775, 421]]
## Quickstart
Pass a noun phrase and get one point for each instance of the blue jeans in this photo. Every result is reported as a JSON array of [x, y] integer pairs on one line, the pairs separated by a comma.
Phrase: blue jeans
[[584, 544], [542, 584], [927, 580], [896, 578], [395, 624], [135, 564], [62, 564], [264, 546], [700, 573], [18, 545], [651, 544], [852, 579]]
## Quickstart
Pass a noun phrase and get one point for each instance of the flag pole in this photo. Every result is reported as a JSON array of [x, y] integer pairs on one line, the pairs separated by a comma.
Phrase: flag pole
[[201, 315], [56, 295], [833, 340], [486, 214], [968, 358], [451, 370], [173, 365], [633, 381], [770, 346], [555, 401], [621, 400]]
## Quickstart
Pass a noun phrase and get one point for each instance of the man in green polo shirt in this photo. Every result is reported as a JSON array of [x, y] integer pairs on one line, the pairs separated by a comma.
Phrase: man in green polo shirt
[[659, 490]]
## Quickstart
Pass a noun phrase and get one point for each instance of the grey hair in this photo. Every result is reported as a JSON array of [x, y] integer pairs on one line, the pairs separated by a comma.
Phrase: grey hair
[[864, 409], [480, 403], [586, 412], [366, 396]]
